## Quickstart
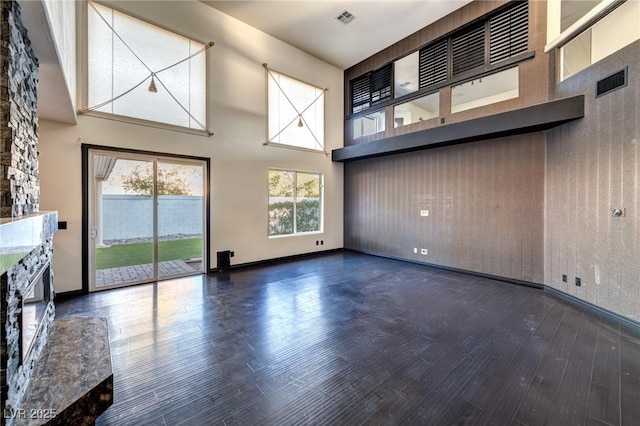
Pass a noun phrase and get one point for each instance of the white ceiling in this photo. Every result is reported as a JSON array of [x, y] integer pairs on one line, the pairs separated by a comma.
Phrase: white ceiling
[[311, 25]]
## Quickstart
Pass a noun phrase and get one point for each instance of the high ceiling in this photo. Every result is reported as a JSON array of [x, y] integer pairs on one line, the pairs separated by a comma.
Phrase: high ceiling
[[308, 25], [312, 25]]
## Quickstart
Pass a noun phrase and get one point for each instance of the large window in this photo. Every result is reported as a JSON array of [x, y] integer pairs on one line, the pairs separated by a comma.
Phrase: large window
[[416, 110], [486, 90], [295, 202], [405, 75], [138, 70], [368, 124], [296, 112], [608, 34]]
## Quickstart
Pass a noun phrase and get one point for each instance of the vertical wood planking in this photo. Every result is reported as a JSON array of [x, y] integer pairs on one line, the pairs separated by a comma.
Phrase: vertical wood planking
[[592, 168], [475, 194]]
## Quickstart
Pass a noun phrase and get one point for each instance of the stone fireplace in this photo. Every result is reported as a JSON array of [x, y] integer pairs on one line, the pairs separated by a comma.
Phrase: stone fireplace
[[35, 304], [26, 235], [28, 310]]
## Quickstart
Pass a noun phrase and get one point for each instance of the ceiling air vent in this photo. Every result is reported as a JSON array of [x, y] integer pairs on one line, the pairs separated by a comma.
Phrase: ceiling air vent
[[613, 82], [345, 17]]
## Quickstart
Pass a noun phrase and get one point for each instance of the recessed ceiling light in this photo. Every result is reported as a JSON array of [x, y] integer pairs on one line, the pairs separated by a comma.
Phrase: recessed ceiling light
[[345, 17]]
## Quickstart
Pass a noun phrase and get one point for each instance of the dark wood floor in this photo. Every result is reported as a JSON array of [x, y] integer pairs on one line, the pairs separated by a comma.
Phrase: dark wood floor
[[353, 339]]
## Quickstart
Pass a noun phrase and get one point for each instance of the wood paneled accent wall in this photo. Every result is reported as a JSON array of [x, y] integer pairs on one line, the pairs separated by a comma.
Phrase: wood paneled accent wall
[[534, 73], [485, 203], [532, 207], [593, 167], [485, 199]]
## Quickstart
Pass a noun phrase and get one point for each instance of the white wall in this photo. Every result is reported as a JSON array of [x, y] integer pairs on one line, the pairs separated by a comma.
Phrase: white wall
[[239, 161], [61, 15]]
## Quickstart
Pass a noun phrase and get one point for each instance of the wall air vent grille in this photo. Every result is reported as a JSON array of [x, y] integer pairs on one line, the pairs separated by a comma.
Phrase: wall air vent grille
[[381, 84], [612, 82], [345, 17], [361, 93]]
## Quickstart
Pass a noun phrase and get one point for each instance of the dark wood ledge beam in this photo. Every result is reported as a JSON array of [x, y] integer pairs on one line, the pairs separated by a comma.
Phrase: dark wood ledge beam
[[524, 120]]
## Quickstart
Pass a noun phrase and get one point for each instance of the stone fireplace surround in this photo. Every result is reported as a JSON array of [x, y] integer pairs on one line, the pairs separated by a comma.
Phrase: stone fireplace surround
[[65, 376], [26, 247], [25, 234]]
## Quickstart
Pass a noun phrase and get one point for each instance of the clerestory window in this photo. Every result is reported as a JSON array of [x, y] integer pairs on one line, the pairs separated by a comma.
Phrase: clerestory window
[[295, 112], [138, 70]]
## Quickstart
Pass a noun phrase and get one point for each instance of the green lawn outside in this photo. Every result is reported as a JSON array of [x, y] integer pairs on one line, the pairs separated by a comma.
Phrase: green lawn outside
[[141, 253]]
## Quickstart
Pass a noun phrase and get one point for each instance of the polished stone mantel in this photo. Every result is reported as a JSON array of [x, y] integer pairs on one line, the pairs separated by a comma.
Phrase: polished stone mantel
[[21, 235], [72, 383]]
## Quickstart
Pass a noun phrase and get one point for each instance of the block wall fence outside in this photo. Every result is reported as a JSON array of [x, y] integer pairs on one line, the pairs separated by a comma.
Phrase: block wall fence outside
[[131, 216]]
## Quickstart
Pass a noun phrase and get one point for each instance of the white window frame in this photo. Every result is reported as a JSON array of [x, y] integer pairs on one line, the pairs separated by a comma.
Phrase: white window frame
[[585, 26], [268, 113], [84, 83], [295, 184], [587, 20]]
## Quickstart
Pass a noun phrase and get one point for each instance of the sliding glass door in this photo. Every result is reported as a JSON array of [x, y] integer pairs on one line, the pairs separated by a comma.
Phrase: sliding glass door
[[146, 218], [180, 218]]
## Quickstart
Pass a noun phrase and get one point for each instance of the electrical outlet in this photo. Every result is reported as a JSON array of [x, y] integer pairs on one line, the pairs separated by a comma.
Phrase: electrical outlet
[[564, 278], [423, 251], [424, 212], [415, 250], [578, 282]]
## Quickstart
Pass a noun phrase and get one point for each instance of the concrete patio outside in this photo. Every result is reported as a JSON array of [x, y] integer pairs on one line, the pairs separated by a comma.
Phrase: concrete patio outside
[[126, 274]]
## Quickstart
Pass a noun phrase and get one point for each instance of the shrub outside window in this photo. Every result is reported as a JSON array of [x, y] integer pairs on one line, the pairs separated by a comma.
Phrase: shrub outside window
[[295, 203]]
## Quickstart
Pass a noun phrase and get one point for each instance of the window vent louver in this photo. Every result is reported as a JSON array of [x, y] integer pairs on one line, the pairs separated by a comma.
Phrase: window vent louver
[[508, 33], [468, 51], [613, 82], [381, 84], [360, 93], [433, 64]]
